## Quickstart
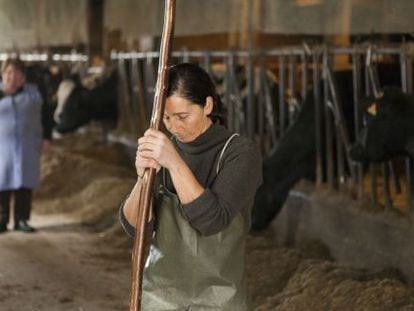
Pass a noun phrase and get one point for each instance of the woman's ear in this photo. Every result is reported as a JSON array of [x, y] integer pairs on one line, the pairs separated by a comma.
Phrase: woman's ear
[[208, 107]]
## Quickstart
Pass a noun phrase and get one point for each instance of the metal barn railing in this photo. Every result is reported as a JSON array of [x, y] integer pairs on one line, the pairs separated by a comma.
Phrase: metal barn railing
[[264, 90], [65, 61]]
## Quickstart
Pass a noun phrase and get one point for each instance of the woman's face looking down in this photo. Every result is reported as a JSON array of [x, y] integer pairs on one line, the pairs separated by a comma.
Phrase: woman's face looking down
[[185, 119]]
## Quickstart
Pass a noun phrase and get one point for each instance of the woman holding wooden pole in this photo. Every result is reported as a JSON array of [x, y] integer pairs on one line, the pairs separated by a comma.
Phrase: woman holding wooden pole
[[206, 181]]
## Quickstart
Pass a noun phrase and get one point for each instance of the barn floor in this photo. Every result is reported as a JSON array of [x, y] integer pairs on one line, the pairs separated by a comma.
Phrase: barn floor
[[80, 258], [62, 267]]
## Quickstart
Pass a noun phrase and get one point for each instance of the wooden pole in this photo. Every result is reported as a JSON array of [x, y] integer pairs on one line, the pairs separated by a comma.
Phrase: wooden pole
[[147, 183]]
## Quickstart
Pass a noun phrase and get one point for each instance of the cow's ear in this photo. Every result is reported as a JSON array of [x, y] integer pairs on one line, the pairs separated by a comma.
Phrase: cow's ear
[[372, 109]]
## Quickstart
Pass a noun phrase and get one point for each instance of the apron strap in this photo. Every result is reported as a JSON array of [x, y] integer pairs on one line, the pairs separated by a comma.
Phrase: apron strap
[[224, 149]]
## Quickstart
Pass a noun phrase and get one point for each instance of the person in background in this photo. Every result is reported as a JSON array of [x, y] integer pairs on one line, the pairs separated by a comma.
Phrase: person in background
[[207, 179], [22, 139]]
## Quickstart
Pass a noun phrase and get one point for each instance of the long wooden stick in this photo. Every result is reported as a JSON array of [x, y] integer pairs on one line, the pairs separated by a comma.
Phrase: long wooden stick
[[147, 183]]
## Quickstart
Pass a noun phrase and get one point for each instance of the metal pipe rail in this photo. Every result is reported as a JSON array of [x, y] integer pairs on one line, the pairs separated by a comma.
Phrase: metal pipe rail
[[284, 51], [45, 57], [299, 70]]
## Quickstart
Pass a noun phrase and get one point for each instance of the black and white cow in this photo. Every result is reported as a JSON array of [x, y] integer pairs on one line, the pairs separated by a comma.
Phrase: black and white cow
[[389, 129], [78, 105], [46, 78]]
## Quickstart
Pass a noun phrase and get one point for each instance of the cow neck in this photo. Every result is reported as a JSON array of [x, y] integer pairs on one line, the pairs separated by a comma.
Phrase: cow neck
[[90, 102], [215, 135]]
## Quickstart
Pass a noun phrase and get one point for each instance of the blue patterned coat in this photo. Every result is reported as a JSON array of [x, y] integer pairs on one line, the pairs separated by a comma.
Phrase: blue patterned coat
[[20, 139]]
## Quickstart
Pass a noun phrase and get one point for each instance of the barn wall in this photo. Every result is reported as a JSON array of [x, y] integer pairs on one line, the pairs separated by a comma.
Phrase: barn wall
[[356, 233], [28, 24], [336, 17], [140, 19], [145, 17]]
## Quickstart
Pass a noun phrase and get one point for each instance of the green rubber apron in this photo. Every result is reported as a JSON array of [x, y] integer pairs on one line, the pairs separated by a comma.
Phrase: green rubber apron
[[188, 271]]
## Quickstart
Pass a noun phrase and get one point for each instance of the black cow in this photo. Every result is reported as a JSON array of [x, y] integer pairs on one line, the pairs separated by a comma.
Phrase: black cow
[[389, 129], [78, 105], [294, 157]]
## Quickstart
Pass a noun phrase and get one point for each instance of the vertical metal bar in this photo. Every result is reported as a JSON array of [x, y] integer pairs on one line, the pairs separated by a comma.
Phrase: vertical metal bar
[[291, 86], [239, 111], [207, 62], [394, 175], [340, 167], [356, 83], [376, 89], [250, 96], [140, 96], [282, 112], [341, 131], [149, 80], [250, 109], [403, 65], [408, 162], [409, 73], [304, 75], [260, 109], [268, 103], [186, 55], [372, 166], [317, 108], [328, 125], [229, 91], [133, 69], [125, 97], [373, 74]]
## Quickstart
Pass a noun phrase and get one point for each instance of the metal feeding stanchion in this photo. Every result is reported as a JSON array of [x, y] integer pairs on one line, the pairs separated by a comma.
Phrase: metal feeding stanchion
[[330, 174], [146, 189], [317, 110], [356, 88], [406, 84]]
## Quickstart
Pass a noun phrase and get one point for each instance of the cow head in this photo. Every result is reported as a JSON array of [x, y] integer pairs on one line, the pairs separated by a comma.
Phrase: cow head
[[70, 112], [268, 203], [389, 127], [292, 159], [78, 105]]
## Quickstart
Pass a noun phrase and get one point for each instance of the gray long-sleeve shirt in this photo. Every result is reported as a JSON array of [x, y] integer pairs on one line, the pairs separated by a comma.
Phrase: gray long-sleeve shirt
[[227, 193]]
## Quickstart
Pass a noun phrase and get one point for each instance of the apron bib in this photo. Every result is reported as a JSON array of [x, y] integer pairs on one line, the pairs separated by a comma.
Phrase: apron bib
[[187, 271]]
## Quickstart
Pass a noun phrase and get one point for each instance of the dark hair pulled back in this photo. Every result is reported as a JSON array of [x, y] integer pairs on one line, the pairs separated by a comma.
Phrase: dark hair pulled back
[[194, 84]]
